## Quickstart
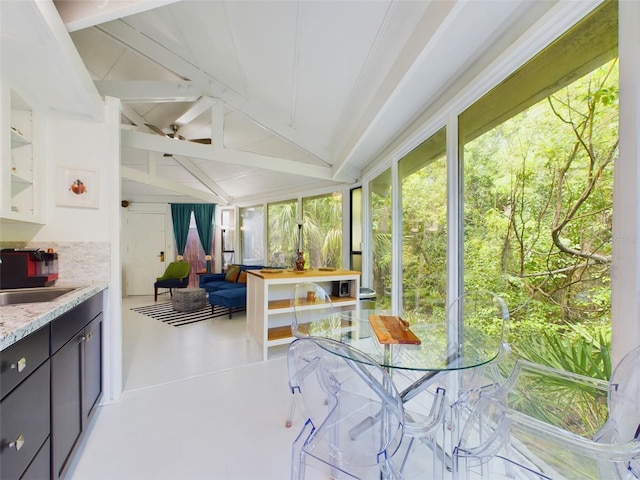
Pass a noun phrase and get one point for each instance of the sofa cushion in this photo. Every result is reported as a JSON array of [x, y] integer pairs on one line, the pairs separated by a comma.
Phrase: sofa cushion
[[215, 285], [231, 286], [242, 278], [232, 273]]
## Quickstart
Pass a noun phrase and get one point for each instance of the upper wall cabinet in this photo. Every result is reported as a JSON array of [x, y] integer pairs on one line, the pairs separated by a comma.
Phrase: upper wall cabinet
[[21, 160]]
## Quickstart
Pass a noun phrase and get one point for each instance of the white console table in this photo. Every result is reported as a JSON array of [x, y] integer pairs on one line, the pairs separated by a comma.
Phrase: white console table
[[269, 310]]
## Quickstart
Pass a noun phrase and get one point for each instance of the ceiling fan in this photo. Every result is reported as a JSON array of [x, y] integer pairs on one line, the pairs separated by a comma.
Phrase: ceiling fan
[[174, 134]]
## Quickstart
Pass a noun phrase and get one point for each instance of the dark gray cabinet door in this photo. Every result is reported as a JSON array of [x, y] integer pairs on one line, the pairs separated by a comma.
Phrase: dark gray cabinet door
[[66, 394], [92, 368]]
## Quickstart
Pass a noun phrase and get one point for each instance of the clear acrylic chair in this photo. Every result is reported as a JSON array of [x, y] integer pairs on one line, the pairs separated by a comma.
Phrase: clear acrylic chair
[[478, 327], [354, 418], [546, 423], [310, 302]]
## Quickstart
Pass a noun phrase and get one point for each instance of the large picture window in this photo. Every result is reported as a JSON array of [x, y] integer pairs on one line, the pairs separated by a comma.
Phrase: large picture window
[[380, 191], [252, 236], [423, 177], [538, 153], [322, 230], [283, 233]]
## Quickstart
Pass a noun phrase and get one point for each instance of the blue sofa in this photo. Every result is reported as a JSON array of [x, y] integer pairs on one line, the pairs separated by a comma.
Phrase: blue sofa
[[227, 294]]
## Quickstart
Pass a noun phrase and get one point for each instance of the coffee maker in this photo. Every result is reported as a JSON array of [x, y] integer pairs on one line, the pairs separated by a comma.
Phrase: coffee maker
[[27, 267]]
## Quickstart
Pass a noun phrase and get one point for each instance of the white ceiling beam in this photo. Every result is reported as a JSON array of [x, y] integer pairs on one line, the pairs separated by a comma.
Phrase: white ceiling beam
[[146, 91], [197, 109], [217, 124], [69, 61], [78, 15], [142, 177], [261, 115], [156, 143], [202, 177], [434, 19]]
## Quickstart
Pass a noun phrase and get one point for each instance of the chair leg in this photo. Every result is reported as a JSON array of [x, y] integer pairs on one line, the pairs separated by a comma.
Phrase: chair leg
[[155, 294], [292, 411]]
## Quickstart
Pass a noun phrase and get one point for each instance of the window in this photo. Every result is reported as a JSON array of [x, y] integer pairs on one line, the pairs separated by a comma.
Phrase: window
[[322, 230], [252, 237], [283, 233], [423, 176], [537, 160], [356, 229], [380, 200], [227, 237]]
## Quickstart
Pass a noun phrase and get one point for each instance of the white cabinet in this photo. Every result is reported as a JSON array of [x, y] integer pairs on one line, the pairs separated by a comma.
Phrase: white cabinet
[[269, 310], [20, 172]]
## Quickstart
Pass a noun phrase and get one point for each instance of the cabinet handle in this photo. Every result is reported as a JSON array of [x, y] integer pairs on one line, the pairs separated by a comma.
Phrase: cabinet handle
[[87, 337], [21, 365], [17, 444]]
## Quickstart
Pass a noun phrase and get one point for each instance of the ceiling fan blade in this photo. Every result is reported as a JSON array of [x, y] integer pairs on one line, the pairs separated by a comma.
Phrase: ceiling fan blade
[[167, 155], [156, 129], [204, 141]]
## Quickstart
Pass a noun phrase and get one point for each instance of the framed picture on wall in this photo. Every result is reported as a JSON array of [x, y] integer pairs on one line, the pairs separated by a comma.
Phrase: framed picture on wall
[[78, 188]]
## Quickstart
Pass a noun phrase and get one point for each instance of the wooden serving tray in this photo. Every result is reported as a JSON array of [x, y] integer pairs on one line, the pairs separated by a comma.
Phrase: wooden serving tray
[[392, 329]]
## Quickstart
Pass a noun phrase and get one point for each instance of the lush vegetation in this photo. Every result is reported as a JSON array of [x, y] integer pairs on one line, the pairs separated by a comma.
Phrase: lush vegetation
[[538, 196]]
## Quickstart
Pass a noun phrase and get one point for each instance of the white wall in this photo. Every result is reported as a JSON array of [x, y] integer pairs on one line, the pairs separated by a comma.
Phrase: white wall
[[77, 143]]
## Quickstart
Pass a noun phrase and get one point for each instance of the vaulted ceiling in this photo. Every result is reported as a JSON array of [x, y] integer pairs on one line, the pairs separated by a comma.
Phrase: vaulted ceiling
[[293, 95]]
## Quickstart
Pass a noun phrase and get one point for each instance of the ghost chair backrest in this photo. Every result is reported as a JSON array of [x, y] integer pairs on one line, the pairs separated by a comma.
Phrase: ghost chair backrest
[[354, 414], [310, 303]]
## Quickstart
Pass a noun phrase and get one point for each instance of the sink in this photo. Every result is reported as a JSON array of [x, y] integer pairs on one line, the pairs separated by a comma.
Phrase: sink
[[29, 295]]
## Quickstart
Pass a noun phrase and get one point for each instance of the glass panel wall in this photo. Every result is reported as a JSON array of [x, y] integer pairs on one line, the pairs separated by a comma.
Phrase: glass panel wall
[[356, 229], [227, 237], [282, 227], [538, 154], [252, 235], [423, 177], [380, 190], [322, 231]]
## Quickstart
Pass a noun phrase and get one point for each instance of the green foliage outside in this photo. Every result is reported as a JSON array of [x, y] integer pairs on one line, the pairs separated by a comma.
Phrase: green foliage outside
[[538, 197], [321, 232]]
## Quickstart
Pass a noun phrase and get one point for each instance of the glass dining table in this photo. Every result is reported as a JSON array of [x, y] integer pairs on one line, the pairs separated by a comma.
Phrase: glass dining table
[[424, 345]]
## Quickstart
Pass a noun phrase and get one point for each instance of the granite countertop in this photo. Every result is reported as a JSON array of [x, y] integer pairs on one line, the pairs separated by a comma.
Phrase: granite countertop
[[18, 321]]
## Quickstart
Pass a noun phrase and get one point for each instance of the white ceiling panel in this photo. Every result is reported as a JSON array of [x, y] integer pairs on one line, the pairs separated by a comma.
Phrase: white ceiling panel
[[295, 86]]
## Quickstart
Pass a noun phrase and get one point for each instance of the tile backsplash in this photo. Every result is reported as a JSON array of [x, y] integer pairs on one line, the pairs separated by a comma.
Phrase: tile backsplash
[[78, 262]]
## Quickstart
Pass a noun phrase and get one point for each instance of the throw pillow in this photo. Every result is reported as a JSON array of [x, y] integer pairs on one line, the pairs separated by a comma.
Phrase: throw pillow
[[232, 273], [242, 278]]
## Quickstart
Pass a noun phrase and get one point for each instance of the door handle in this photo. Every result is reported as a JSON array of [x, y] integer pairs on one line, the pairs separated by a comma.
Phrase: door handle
[[161, 256]]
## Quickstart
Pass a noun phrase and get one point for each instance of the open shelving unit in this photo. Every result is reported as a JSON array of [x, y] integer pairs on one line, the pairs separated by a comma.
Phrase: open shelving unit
[[269, 310], [20, 187]]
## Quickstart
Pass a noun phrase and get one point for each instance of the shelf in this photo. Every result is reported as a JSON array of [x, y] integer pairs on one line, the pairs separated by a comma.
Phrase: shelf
[[279, 333], [17, 139], [21, 179], [284, 306]]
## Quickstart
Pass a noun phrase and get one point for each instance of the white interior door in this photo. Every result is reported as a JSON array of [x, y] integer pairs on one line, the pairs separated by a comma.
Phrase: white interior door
[[146, 251]]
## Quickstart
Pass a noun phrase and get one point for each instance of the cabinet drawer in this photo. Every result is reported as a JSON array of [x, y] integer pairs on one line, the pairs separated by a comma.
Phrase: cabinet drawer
[[24, 419], [67, 325], [22, 358]]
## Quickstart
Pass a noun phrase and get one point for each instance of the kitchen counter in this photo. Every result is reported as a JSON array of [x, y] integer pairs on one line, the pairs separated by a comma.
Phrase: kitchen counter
[[18, 321]]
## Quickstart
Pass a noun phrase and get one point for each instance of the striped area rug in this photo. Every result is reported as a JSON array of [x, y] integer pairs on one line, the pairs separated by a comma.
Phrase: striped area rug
[[165, 313]]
